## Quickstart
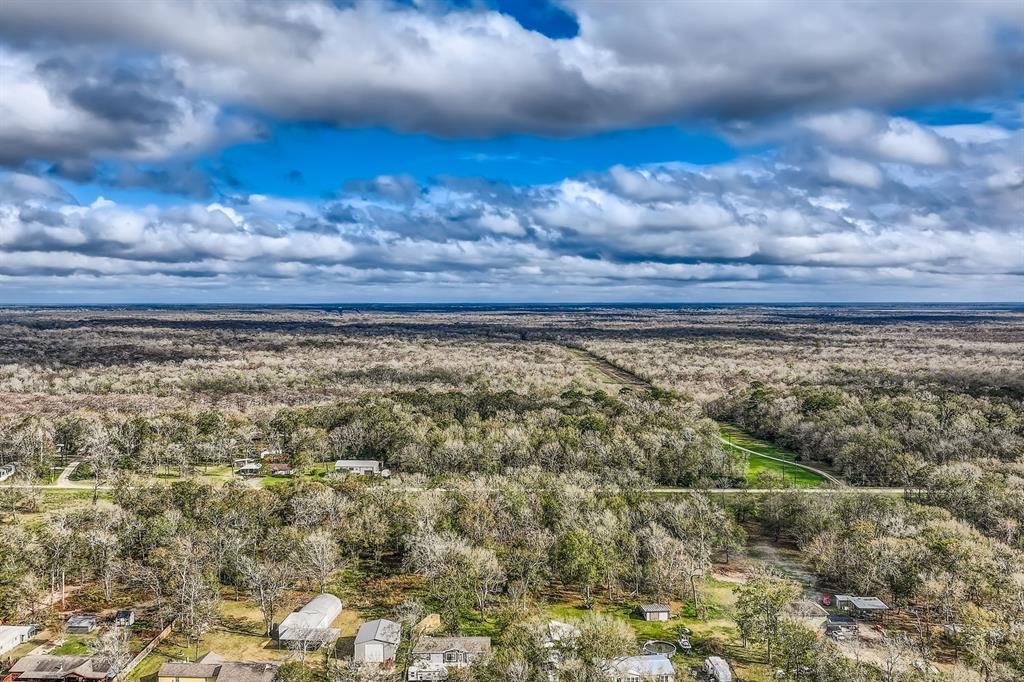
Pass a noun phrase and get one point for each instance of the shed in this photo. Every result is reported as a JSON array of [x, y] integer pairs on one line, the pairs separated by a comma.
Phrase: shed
[[279, 469], [312, 621], [716, 669], [654, 611], [6, 471], [860, 605], [377, 641], [81, 625], [124, 617], [839, 623], [13, 636]]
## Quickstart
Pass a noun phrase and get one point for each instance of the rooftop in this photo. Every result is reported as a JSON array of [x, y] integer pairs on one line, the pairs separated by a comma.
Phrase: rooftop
[[379, 631], [439, 645]]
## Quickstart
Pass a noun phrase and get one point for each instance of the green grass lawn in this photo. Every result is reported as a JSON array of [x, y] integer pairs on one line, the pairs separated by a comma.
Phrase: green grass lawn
[[72, 646], [791, 475]]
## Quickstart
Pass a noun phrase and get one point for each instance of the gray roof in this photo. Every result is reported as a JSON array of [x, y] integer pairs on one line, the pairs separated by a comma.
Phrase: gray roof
[[59, 667], [655, 608], [863, 603], [81, 620], [439, 645], [387, 631], [213, 665], [358, 463]]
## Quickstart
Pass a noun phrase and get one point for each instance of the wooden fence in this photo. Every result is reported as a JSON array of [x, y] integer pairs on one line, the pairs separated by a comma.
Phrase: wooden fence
[[146, 651]]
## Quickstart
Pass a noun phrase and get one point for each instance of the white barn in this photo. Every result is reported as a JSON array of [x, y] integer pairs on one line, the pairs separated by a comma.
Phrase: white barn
[[377, 641], [312, 622]]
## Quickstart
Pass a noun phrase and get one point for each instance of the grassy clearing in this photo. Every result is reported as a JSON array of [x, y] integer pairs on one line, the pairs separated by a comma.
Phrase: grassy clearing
[[760, 468]]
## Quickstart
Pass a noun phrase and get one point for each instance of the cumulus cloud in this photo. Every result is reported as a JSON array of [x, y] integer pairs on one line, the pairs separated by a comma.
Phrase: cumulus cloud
[[476, 72], [738, 226]]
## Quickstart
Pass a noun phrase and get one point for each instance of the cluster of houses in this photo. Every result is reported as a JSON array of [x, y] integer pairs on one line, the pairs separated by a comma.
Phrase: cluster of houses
[[271, 463]]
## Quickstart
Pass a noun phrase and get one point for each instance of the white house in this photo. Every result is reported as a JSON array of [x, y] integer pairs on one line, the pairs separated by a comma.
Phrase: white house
[[363, 467], [655, 611], [12, 636], [648, 667], [250, 469], [433, 656], [377, 641], [717, 669], [6, 471], [312, 623]]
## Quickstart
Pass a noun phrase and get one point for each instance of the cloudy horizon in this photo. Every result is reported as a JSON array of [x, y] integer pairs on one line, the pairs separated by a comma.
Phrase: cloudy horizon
[[314, 151]]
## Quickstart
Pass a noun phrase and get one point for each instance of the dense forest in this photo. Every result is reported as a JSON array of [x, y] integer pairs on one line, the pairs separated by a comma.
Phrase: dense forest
[[529, 481]]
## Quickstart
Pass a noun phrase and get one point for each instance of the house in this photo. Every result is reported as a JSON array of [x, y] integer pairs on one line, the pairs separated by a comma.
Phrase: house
[[716, 669], [860, 606], [59, 669], [279, 469], [250, 469], [377, 641], [363, 467], [124, 618], [433, 656], [654, 611], [311, 625], [213, 668], [6, 471], [81, 625], [13, 636], [648, 667]]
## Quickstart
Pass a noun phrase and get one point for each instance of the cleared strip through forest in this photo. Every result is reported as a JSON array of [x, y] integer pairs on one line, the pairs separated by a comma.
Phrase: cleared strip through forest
[[622, 376]]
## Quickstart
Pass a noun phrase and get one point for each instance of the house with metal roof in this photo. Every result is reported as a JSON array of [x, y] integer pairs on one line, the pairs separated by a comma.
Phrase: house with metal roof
[[377, 641]]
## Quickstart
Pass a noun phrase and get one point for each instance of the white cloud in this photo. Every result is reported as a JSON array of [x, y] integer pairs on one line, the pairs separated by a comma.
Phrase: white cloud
[[477, 72], [854, 172]]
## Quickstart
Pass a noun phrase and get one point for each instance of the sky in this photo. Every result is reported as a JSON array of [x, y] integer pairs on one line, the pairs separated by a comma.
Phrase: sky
[[317, 151]]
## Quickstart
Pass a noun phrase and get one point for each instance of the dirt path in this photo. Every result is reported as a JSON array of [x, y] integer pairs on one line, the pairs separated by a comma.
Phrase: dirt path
[[64, 480]]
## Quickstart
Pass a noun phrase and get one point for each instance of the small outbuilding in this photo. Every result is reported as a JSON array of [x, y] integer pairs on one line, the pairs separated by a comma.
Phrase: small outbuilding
[[124, 618], [860, 606], [6, 471], [13, 636], [377, 641], [655, 611], [81, 625], [280, 469], [716, 669]]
